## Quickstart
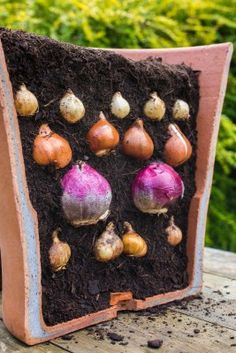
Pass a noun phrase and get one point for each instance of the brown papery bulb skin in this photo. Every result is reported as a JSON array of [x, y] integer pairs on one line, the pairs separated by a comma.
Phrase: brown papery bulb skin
[[59, 253], [51, 148], [25, 102], [102, 137], [174, 233], [137, 143], [177, 149], [134, 244], [109, 245]]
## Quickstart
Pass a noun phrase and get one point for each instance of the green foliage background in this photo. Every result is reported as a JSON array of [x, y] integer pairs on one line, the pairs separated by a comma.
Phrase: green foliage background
[[151, 24]]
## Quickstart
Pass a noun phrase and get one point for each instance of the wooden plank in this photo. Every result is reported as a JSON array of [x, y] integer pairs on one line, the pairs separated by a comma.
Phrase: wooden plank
[[175, 329], [217, 303], [220, 262], [217, 283], [9, 344]]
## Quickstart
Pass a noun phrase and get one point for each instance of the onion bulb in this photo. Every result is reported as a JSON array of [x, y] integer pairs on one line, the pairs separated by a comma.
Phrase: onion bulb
[[71, 107], [102, 137], [134, 244], [181, 110], [51, 148], [174, 233], [109, 245], [155, 107], [177, 149], [25, 102], [137, 143], [59, 253], [86, 195], [156, 187], [119, 106]]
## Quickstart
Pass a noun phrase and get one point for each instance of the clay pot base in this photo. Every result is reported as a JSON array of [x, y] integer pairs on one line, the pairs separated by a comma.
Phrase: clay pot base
[[22, 314]]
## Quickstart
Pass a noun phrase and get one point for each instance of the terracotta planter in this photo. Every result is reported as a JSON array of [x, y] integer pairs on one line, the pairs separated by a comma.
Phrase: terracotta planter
[[22, 309]]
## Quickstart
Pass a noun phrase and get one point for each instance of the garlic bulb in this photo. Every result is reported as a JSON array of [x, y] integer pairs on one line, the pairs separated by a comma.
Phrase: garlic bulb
[[181, 110], [155, 107], [71, 107], [59, 253], [119, 106], [109, 245], [134, 244], [25, 102], [174, 233]]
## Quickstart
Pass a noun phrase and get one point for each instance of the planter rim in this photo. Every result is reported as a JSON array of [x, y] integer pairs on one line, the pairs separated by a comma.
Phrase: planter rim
[[229, 45]]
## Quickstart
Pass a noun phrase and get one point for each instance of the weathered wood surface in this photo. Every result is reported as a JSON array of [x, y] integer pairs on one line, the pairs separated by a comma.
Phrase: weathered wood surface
[[9, 344], [176, 331], [217, 303], [222, 263], [206, 324]]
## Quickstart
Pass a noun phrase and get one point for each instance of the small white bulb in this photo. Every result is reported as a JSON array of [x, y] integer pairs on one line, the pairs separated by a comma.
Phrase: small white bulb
[[155, 107], [181, 110], [109, 245], [71, 107], [119, 106], [25, 102]]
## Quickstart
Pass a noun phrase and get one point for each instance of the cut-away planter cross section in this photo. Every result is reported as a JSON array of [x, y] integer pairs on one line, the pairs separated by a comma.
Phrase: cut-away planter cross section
[[19, 240]]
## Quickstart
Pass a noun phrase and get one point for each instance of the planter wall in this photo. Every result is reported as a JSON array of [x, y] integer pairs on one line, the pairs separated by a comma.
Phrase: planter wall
[[19, 240]]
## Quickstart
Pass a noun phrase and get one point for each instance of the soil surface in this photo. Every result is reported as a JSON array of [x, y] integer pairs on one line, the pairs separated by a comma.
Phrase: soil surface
[[49, 68]]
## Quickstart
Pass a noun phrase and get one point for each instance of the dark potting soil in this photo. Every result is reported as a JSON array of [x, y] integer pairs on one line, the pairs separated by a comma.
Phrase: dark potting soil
[[48, 68]]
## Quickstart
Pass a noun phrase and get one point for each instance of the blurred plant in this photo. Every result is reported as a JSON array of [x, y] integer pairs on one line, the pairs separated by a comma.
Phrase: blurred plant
[[150, 24], [221, 227]]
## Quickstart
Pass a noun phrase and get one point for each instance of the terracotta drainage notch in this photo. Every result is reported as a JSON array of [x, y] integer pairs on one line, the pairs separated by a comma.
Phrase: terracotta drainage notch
[[122, 300]]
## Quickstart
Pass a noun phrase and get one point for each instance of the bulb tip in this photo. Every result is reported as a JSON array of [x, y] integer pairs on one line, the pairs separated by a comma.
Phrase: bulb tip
[[153, 94], [139, 122], [80, 163], [102, 116], [128, 227], [69, 91], [45, 130], [55, 234], [23, 86], [110, 226]]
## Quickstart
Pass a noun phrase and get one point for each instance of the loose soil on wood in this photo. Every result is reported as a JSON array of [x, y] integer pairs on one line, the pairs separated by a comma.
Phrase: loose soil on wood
[[49, 68]]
